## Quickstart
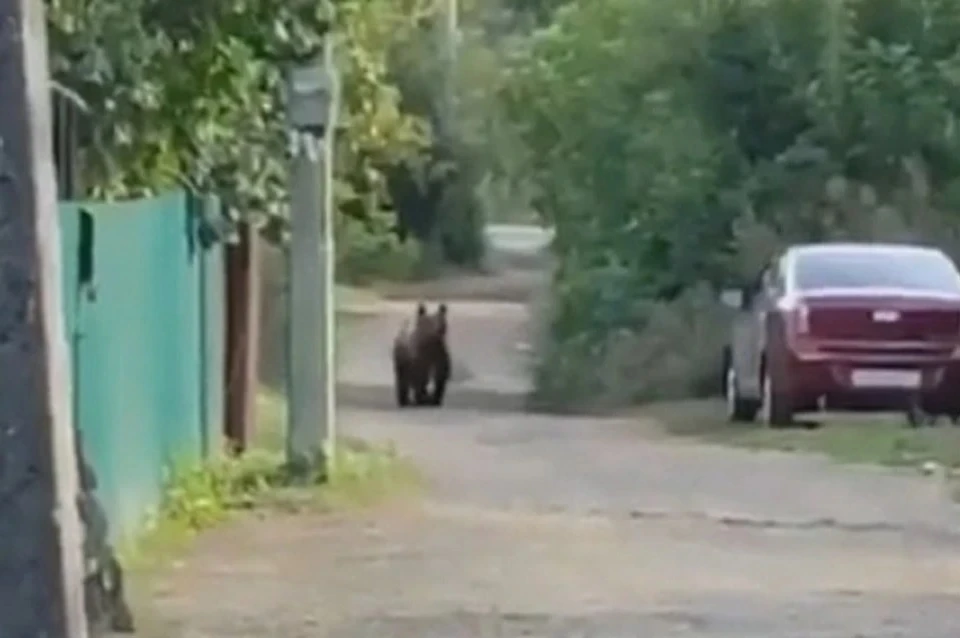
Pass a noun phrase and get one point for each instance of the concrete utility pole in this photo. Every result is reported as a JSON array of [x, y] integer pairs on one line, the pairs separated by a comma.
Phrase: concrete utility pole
[[328, 293], [41, 566], [313, 95]]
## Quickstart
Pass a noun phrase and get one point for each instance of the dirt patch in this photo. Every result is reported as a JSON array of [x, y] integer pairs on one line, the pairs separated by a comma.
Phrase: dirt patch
[[414, 572], [545, 526]]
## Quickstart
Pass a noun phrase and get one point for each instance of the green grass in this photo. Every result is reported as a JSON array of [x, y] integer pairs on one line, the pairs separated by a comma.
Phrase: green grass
[[199, 498], [875, 440]]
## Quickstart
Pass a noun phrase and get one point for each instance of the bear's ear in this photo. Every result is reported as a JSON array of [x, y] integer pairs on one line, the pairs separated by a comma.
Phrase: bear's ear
[[421, 309], [442, 310]]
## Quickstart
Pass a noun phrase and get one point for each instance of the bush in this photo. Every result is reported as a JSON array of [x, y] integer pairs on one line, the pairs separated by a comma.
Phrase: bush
[[197, 497], [368, 250], [726, 130], [674, 351]]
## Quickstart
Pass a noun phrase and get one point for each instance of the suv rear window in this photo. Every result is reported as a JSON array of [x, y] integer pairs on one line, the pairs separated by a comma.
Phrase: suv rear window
[[910, 269]]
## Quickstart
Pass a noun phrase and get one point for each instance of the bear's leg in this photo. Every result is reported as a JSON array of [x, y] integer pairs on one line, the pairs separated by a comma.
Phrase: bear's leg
[[439, 391], [401, 384], [441, 375], [421, 395]]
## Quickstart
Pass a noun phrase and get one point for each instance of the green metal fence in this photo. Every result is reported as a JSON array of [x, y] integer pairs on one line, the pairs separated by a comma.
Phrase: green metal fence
[[144, 314]]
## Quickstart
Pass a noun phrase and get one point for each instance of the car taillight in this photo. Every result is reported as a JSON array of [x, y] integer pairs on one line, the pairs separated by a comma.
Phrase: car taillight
[[802, 314]]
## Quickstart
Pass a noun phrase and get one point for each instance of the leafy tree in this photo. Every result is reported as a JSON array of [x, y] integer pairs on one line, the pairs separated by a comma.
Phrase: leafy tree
[[191, 95], [675, 145], [437, 196]]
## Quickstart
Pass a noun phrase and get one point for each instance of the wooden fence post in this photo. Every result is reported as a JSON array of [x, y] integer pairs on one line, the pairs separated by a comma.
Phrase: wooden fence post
[[243, 337]]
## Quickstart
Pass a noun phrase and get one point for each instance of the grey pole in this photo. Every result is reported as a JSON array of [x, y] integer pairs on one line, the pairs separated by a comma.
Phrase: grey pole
[[312, 93], [328, 292], [41, 578], [305, 371]]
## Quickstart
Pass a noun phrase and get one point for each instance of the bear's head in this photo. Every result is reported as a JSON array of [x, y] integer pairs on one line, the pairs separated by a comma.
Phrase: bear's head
[[430, 329]]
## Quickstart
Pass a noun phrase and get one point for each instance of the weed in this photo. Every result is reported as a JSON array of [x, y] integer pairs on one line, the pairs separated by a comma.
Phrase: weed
[[858, 439], [198, 497]]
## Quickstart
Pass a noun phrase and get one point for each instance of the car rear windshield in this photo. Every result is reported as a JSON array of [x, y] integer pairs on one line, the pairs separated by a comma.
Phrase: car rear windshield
[[918, 270]]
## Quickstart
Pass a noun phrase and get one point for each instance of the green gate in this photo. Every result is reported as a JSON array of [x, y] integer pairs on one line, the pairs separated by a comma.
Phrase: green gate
[[144, 307]]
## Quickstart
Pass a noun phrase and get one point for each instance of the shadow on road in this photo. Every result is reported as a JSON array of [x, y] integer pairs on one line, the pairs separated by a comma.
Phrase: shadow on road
[[707, 419], [381, 397]]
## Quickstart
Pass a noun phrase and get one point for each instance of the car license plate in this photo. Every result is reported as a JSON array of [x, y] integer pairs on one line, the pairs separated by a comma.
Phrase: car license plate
[[906, 379]]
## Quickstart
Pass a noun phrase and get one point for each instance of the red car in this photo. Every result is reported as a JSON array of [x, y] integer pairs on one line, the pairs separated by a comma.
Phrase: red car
[[850, 327]]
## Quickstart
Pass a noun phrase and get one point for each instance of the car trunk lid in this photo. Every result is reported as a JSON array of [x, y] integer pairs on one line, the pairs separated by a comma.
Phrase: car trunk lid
[[882, 316]]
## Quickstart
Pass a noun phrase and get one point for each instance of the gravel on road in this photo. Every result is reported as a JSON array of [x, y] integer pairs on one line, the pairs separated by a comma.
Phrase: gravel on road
[[544, 526]]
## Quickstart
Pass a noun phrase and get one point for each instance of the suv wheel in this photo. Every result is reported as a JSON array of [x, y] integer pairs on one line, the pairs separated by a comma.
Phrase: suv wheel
[[775, 406], [738, 409]]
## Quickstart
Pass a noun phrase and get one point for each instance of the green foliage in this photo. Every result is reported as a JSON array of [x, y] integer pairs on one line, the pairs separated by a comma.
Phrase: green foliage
[[185, 94], [379, 132], [470, 173], [675, 146], [436, 194], [198, 497], [873, 440], [674, 353], [192, 95], [532, 12], [368, 251]]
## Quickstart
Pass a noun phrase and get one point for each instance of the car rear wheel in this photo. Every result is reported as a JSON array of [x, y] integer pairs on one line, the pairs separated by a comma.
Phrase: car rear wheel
[[775, 406], [739, 409]]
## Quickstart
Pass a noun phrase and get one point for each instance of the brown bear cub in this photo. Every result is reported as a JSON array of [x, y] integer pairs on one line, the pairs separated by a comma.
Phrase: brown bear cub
[[421, 356]]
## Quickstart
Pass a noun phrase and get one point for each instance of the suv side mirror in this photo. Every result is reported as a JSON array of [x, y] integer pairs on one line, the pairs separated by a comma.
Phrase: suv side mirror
[[732, 298]]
